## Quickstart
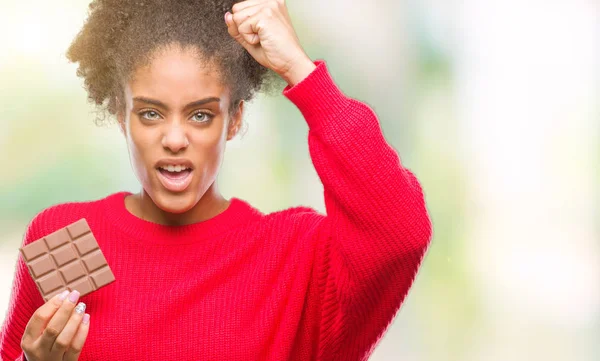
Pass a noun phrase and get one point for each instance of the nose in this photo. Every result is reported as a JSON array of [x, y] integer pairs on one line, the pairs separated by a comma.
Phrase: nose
[[175, 138]]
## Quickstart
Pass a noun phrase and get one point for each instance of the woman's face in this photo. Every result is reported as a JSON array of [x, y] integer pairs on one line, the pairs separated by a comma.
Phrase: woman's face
[[176, 123]]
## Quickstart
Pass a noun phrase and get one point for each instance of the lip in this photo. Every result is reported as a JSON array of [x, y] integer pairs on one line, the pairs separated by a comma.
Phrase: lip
[[174, 161], [175, 185]]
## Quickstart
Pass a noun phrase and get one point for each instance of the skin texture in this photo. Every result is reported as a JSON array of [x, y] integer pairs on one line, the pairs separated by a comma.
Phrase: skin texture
[[174, 130]]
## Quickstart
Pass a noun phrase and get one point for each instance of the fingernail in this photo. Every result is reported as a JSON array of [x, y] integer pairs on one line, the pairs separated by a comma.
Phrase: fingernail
[[86, 319], [63, 295], [226, 19], [80, 308], [74, 296]]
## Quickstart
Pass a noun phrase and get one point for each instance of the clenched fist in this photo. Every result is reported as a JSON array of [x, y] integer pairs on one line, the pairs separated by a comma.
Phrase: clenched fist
[[264, 29]]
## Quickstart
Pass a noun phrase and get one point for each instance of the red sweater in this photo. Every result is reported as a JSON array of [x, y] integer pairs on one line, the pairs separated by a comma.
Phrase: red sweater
[[289, 285]]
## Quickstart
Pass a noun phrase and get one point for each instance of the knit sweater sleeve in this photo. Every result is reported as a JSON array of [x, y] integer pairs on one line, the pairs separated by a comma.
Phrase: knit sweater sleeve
[[377, 228], [24, 300]]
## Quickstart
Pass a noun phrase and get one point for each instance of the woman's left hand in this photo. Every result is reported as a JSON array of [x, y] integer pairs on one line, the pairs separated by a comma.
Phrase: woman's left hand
[[264, 29]]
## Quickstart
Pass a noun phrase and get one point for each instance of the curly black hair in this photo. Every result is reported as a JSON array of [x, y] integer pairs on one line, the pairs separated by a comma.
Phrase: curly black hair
[[120, 35]]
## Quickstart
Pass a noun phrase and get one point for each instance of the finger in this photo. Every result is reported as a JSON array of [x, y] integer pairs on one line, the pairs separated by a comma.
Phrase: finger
[[241, 15], [58, 321], [233, 30], [245, 4], [251, 27], [78, 341], [42, 316], [63, 341], [232, 27], [245, 16]]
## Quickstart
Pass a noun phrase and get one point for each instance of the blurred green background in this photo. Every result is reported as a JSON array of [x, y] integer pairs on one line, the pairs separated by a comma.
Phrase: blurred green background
[[493, 104]]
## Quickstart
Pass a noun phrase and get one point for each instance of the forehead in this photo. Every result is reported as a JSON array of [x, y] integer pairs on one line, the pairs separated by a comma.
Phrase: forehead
[[176, 73]]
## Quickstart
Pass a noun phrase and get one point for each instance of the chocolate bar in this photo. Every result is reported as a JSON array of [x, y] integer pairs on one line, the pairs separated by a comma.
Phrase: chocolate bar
[[69, 258]]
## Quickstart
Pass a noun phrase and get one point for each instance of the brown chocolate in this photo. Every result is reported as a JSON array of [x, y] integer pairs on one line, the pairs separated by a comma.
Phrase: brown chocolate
[[69, 258]]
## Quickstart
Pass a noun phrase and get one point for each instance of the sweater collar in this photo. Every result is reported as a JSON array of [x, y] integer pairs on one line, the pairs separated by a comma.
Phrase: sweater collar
[[238, 213]]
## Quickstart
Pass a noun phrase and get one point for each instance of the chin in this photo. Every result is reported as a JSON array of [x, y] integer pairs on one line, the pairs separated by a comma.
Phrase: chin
[[175, 203]]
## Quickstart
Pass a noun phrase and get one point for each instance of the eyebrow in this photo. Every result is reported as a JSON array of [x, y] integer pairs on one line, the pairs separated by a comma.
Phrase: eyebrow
[[189, 105]]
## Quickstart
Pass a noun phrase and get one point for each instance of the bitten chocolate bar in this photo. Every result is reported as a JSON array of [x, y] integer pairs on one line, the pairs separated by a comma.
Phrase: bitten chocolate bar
[[69, 258]]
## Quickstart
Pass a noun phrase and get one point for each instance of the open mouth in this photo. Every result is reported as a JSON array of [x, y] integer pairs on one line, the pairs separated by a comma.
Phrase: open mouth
[[175, 178]]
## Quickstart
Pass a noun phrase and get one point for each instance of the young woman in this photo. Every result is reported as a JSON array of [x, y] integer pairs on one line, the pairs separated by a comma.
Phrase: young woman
[[198, 276]]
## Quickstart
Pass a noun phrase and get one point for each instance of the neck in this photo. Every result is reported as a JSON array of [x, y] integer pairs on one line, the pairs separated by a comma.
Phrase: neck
[[211, 204]]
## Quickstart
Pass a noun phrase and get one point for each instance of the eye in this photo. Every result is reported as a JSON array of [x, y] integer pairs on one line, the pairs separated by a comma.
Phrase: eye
[[201, 117], [149, 114]]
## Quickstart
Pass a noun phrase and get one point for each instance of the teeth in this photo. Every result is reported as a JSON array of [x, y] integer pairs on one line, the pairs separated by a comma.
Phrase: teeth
[[174, 168]]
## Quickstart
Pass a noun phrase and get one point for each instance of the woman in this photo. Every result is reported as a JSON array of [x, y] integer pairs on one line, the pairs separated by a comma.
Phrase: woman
[[199, 276]]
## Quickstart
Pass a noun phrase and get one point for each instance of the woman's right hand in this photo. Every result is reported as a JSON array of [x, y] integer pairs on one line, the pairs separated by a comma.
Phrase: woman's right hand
[[57, 330]]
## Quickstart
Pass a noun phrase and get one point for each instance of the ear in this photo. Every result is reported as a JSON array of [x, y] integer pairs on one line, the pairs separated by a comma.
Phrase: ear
[[235, 122]]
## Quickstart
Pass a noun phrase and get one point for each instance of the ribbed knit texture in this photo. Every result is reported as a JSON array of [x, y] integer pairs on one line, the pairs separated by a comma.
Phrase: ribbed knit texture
[[289, 285]]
